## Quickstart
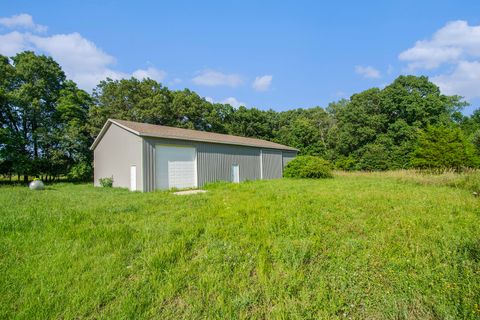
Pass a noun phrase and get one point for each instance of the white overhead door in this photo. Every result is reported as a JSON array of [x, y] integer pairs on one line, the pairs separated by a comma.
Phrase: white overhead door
[[176, 167]]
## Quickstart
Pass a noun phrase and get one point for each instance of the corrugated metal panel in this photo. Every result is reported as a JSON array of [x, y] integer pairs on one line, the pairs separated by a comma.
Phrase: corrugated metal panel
[[272, 164], [288, 156], [148, 165], [214, 161]]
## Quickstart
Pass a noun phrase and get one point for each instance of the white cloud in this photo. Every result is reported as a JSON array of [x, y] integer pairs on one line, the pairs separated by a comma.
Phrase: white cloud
[[450, 44], [13, 42], [464, 80], [231, 101], [80, 58], [262, 83], [427, 57], [150, 72], [73, 51], [24, 21], [214, 78], [457, 46], [367, 72]]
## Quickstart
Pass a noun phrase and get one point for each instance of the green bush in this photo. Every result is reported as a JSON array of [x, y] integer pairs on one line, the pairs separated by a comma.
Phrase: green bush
[[106, 182], [345, 163], [374, 156], [81, 172], [308, 167]]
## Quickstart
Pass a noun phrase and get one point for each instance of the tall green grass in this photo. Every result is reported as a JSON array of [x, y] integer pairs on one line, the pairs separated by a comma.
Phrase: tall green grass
[[356, 246], [468, 179]]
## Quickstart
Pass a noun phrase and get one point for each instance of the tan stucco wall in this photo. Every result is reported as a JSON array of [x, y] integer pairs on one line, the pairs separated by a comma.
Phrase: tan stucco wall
[[115, 153]]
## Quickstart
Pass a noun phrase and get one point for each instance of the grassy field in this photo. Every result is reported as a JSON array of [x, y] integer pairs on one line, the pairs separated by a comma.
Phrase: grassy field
[[376, 246]]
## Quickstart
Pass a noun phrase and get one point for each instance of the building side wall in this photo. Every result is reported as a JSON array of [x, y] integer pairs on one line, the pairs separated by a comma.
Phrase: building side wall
[[116, 152], [272, 164], [214, 161]]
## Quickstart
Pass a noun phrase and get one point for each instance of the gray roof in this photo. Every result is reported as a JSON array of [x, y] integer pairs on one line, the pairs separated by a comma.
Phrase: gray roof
[[152, 130]]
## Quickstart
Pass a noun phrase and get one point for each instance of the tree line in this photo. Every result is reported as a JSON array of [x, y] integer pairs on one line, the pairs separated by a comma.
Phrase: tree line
[[47, 123]]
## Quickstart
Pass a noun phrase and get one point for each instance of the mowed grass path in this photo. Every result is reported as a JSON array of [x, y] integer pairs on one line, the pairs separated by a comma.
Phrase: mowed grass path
[[355, 247]]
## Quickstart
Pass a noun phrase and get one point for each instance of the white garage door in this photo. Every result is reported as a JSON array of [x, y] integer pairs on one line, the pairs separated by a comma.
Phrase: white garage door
[[175, 167]]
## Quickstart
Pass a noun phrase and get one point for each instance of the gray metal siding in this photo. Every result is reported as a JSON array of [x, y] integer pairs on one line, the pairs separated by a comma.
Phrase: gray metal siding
[[114, 154], [272, 164], [148, 165], [214, 161], [288, 156]]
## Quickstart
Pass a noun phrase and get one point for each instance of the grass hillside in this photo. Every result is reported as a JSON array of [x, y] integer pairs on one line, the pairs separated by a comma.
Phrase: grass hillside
[[357, 246]]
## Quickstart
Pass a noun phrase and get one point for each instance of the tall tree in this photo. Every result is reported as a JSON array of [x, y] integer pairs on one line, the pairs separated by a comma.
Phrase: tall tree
[[305, 129], [71, 136], [442, 147], [10, 134], [34, 88], [43, 118], [131, 99], [194, 112], [148, 101], [376, 123], [253, 122]]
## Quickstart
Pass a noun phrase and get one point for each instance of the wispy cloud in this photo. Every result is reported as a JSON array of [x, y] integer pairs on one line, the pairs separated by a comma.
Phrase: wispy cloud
[[230, 100], [367, 72], [262, 83], [150, 72], [212, 78], [24, 21]]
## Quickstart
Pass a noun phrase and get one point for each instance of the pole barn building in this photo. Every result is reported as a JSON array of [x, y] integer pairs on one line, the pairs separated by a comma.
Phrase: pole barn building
[[146, 157]]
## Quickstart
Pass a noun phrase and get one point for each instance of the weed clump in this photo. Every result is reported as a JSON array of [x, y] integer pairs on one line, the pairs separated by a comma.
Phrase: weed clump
[[106, 182]]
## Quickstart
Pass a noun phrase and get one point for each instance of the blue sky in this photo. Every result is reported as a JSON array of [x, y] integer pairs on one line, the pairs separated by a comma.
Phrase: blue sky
[[267, 54]]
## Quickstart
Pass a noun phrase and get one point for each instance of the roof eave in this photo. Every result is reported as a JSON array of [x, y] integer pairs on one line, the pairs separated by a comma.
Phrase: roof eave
[[142, 134], [285, 148]]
